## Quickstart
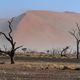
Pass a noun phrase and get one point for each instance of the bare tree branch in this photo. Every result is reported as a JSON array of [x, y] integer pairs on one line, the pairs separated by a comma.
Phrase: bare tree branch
[[18, 47], [73, 34], [77, 25], [5, 36], [6, 52], [10, 22], [14, 43]]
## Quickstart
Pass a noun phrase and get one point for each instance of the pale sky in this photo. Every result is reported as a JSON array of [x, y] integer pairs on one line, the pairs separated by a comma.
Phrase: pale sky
[[10, 8]]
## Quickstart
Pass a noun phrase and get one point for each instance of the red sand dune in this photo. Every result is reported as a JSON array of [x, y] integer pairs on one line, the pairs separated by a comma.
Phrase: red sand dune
[[44, 30]]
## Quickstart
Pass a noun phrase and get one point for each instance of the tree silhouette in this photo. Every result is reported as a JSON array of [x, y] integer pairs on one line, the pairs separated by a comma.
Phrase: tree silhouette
[[9, 38], [64, 50], [76, 34]]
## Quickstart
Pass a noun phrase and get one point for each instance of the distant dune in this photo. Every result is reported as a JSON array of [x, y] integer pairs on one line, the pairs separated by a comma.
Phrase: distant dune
[[42, 30]]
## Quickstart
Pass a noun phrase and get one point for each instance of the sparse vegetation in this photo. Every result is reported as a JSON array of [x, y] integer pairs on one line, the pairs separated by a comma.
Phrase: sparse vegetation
[[26, 68]]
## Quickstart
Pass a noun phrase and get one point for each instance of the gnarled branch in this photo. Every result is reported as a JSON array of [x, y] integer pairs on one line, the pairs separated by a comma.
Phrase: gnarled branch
[[5, 36], [10, 22], [18, 48], [73, 34]]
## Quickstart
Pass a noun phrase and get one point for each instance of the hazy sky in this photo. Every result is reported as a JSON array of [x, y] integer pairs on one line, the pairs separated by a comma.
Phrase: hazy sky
[[9, 8]]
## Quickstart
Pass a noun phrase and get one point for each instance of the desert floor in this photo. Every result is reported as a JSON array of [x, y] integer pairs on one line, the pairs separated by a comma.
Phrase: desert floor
[[39, 68]]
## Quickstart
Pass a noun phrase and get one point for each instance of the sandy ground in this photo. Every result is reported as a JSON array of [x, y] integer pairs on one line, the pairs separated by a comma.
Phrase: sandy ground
[[40, 69]]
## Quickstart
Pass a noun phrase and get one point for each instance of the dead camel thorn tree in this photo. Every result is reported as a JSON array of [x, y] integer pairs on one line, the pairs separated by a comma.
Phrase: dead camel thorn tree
[[9, 38], [76, 34], [64, 51]]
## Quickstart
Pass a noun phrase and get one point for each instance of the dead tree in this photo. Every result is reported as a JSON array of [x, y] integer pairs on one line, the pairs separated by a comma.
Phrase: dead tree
[[9, 38], [64, 50], [76, 34]]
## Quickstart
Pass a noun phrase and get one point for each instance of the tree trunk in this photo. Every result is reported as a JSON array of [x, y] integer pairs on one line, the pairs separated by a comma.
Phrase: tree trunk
[[61, 53], [12, 59], [77, 49]]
